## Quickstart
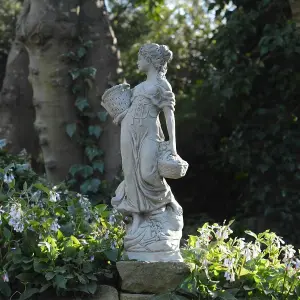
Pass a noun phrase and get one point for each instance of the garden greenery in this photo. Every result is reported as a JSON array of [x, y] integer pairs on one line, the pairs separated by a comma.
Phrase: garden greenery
[[253, 75], [51, 237], [54, 239], [259, 266]]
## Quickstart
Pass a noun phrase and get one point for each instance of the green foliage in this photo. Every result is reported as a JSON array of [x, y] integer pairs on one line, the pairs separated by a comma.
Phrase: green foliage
[[86, 177], [9, 10], [259, 266], [253, 63], [51, 238], [184, 27]]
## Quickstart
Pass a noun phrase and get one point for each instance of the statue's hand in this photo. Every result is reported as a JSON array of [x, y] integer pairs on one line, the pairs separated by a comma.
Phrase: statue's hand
[[168, 95]]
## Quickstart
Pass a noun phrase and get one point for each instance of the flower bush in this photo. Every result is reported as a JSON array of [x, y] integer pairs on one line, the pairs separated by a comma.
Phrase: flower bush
[[225, 267], [52, 238]]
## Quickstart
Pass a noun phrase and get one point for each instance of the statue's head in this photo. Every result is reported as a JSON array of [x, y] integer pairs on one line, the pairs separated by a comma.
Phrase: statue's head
[[156, 56]]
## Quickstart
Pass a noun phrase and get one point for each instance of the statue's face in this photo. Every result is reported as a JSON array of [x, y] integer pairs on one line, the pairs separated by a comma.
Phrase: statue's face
[[142, 63]]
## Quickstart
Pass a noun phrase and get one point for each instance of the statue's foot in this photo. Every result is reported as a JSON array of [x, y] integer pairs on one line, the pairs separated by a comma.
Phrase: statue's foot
[[155, 237], [136, 221]]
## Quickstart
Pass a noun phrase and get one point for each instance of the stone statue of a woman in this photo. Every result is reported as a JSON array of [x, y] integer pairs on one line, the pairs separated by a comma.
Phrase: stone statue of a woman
[[156, 228]]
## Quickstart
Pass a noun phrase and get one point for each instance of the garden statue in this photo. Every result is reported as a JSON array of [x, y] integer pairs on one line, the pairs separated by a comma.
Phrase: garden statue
[[144, 196]]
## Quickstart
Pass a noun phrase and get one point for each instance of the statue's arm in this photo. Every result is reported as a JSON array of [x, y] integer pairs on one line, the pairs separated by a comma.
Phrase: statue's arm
[[169, 99], [170, 121]]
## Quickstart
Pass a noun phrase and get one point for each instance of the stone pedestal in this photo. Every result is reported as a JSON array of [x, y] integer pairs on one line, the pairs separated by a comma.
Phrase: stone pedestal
[[126, 296], [143, 280]]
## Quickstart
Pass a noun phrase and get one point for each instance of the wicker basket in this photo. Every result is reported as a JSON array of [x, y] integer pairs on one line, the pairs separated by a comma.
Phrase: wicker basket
[[169, 166], [117, 99]]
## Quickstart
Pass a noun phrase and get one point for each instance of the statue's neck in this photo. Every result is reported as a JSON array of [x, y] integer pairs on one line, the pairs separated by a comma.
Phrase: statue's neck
[[152, 75]]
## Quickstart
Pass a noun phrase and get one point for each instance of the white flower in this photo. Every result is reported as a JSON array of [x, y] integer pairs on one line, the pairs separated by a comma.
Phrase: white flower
[[16, 217], [229, 262], [85, 205], [8, 178], [1, 212], [248, 254], [36, 196], [229, 276], [106, 235], [205, 263], [255, 250], [223, 233], [55, 226], [296, 262], [5, 277], [241, 244], [198, 244], [112, 219], [289, 253], [54, 197]]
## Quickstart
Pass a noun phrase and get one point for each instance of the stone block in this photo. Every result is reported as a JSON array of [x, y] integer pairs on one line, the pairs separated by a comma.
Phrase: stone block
[[125, 296], [105, 292], [151, 277]]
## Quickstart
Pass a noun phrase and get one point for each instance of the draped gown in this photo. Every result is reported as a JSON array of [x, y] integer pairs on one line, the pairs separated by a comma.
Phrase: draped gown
[[143, 189]]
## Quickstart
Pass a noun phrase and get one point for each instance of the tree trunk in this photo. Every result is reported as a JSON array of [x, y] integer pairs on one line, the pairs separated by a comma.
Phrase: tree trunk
[[295, 7], [16, 109], [104, 57], [49, 29]]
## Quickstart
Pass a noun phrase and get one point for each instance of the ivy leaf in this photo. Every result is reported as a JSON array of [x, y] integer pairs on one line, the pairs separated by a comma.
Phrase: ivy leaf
[[7, 233], [112, 254], [45, 287], [49, 275], [225, 295], [81, 103], [89, 72], [5, 289], [26, 277], [81, 52], [60, 281], [88, 44], [102, 116], [90, 185], [41, 187], [264, 50], [92, 287], [95, 131], [75, 73], [71, 129], [77, 88], [92, 152], [87, 267], [99, 165], [84, 170], [28, 293]]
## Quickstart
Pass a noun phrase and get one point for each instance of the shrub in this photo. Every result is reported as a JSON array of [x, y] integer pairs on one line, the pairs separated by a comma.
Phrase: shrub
[[51, 237], [223, 267]]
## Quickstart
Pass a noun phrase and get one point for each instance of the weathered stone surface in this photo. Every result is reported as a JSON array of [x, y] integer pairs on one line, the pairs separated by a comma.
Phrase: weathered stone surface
[[125, 296], [152, 278], [106, 292], [154, 230]]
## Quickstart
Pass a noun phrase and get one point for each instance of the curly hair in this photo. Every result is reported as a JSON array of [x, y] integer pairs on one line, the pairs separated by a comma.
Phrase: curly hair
[[157, 55]]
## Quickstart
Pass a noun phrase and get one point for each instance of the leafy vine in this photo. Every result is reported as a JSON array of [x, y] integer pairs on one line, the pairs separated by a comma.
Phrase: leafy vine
[[83, 131]]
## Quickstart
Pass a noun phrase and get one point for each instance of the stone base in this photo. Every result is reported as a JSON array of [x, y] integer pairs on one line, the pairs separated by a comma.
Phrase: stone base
[[125, 296], [151, 277], [170, 256]]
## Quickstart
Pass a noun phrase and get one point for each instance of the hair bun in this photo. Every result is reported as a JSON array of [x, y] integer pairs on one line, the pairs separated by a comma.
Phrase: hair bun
[[166, 52]]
